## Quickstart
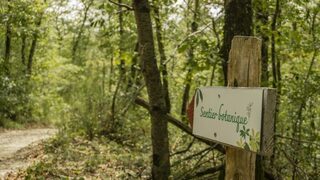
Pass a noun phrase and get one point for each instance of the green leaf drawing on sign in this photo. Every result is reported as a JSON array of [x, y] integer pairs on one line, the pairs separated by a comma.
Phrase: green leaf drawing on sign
[[197, 99], [246, 146], [244, 132], [199, 96], [254, 139]]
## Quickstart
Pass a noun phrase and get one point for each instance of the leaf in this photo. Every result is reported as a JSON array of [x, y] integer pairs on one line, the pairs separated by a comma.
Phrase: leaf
[[201, 97], [246, 146], [197, 99]]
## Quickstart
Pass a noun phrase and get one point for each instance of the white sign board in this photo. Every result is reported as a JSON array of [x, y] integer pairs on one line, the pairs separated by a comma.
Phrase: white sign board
[[232, 116]]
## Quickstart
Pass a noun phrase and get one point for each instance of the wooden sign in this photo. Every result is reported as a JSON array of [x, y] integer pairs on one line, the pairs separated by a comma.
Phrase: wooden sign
[[238, 117]]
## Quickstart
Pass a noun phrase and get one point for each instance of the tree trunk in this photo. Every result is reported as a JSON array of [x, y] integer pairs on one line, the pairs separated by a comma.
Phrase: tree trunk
[[133, 70], [111, 74], [194, 28], [23, 48], [148, 64], [262, 22], [33, 46], [274, 67], [273, 44], [77, 38], [163, 58], [121, 42], [7, 51], [238, 21]]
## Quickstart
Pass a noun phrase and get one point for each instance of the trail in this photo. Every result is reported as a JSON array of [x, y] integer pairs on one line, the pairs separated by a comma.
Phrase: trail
[[14, 143]]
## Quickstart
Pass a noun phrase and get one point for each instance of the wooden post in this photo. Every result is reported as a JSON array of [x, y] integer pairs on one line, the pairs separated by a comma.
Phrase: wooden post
[[244, 70]]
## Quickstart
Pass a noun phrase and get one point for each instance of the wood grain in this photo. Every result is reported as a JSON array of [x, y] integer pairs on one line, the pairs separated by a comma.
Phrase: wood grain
[[244, 70]]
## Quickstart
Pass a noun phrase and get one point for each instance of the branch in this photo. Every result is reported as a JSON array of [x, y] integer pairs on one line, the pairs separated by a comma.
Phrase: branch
[[211, 170], [122, 5], [294, 164], [208, 149], [181, 126], [297, 140], [185, 150], [184, 40]]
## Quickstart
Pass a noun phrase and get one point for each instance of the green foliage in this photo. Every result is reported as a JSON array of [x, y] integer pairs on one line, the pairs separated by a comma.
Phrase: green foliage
[[89, 98]]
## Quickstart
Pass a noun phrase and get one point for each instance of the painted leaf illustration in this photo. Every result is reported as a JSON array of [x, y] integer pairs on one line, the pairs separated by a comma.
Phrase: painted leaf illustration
[[240, 143], [246, 146], [197, 99], [244, 132], [201, 97]]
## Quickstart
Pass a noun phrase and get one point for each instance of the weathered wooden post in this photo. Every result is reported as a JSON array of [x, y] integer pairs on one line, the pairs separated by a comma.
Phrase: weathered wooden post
[[244, 70], [240, 116]]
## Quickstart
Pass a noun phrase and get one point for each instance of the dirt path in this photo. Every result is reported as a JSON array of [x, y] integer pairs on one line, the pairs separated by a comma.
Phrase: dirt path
[[13, 141]]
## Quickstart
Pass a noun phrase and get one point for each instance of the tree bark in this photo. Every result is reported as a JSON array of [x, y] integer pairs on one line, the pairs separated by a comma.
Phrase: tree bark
[[163, 58], [33, 45], [262, 17], [273, 44], [274, 65], [133, 79], [238, 21], [194, 28], [121, 42], [111, 74], [77, 38], [7, 51], [148, 64], [23, 48]]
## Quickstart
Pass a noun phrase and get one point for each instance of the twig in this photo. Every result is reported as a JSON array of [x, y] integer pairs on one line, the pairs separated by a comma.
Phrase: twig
[[192, 156], [122, 5], [297, 140], [293, 164], [185, 39], [197, 164], [185, 150], [211, 170], [182, 126]]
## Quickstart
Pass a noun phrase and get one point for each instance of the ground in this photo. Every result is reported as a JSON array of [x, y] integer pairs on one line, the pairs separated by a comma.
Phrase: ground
[[17, 148]]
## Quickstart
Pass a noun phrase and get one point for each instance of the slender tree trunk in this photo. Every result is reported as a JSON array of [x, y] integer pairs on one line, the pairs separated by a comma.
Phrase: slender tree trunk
[[77, 38], [273, 44], [262, 22], [297, 128], [194, 28], [121, 42], [262, 17], [163, 58], [111, 74], [7, 51], [218, 46], [148, 63], [23, 48], [213, 73], [133, 70], [238, 21], [274, 67], [33, 46]]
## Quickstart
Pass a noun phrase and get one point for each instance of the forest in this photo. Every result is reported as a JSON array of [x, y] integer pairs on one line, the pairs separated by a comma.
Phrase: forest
[[115, 79]]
